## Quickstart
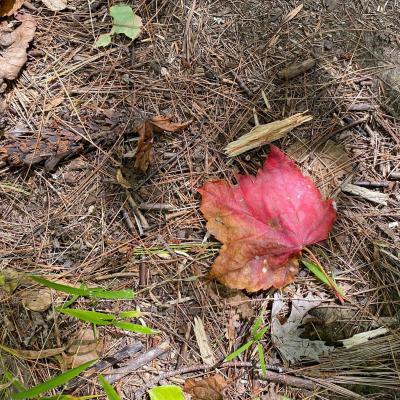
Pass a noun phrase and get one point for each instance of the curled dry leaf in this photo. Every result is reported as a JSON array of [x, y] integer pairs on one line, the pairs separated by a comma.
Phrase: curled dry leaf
[[146, 130], [264, 222], [210, 388], [10, 7], [16, 43], [286, 336]]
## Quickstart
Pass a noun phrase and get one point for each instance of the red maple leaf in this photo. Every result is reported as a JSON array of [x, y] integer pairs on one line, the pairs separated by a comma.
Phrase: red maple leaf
[[264, 222]]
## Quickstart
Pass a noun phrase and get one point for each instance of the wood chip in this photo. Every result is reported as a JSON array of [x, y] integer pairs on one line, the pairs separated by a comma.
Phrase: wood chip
[[370, 195], [265, 133]]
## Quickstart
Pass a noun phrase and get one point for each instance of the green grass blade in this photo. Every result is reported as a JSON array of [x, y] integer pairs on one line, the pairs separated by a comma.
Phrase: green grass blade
[[256, 326], [167, 392], [130, 314], [69, 397], [52, 383], [15, 382], [239, 351], [312, 267], [260, 333], [94, 317], [110, 391], [98, 293], [134, 327], [261, 358]]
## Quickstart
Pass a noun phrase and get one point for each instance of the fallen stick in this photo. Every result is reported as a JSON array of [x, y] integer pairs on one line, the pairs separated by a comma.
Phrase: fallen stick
[[371, 195], [272, 375], [125, 352], [138, 214], [137, 362], [241, 84]]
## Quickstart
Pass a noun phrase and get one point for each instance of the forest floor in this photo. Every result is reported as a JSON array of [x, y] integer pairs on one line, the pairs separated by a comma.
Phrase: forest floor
[[215, 63]]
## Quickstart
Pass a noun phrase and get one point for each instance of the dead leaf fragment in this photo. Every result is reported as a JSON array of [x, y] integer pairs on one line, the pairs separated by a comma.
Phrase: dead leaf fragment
[[11, 279], [55, 5], [294, 70], [38, 300], [82, 348], [10, 7], [146, 130], [363, 337], [265, 133], [242, 303], [292, 14], [286, 337], [16, 42], [53, 103], [210, 388], [264, 222], [202, 341]]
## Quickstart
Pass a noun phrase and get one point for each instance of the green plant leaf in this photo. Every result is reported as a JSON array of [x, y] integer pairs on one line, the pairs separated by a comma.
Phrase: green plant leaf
[[239, 351], [314, 268], [110, 391], [125, 21], [261, 358], [52, 383], [94, 317], [256, 326], [103, 40], [167, 392], [134, 327], [98, 293]]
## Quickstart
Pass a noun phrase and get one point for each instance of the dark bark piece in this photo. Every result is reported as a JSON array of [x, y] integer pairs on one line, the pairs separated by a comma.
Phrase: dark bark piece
[[52, 147]]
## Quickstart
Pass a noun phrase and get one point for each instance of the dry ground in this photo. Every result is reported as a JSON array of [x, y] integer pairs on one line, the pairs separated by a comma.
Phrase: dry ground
[[191, 61]]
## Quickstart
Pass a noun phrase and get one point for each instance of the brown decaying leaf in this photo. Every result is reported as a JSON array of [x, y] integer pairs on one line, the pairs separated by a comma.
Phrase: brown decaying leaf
[[146, 130], [210, 388], [17, 41], [10, 7], [36, 299], [82, 348], [265, 133]]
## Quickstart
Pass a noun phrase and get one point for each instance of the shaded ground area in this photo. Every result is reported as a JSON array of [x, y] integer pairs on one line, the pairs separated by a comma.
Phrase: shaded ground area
[[209, 61]]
